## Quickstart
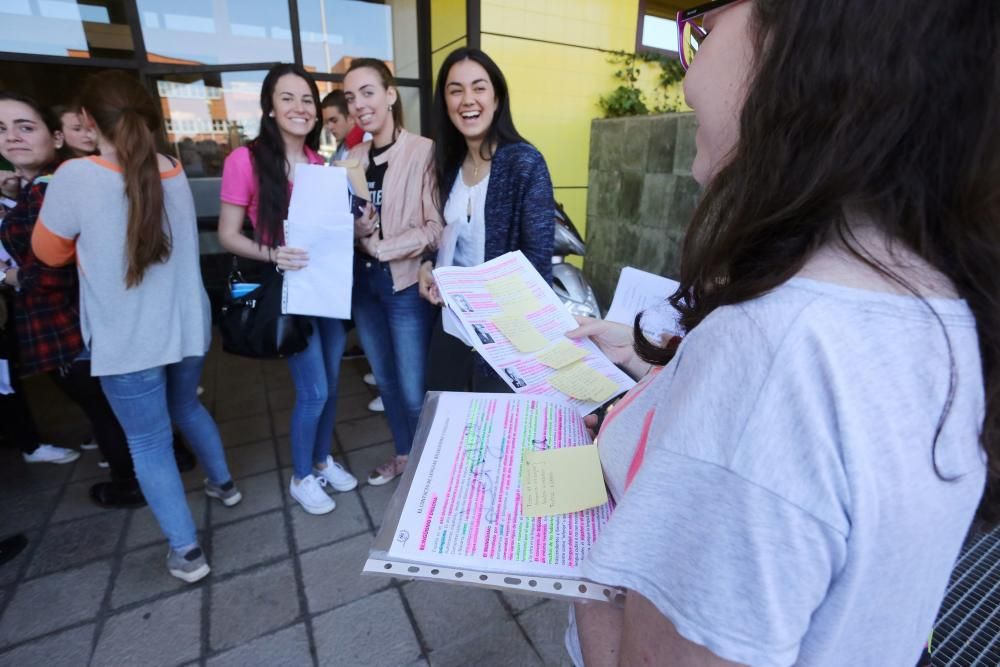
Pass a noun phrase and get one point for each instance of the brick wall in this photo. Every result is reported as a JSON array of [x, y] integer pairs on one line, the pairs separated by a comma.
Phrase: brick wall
[[641, 196]]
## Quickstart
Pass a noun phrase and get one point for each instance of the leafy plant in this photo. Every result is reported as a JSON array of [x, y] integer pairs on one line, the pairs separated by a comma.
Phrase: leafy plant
[[628, 99]]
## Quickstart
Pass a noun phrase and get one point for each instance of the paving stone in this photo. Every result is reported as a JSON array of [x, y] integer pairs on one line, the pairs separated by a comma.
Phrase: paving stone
[[363, 432], [285, 647], [520, 602], [332, 574], [54, 601], [12, 569], [253, 604], [376, 499], [546, 627], [374, 631], [499, 644], [143, 528], [245, 430], [261, 493], [239, 545], [348, 519], [76, 502], [352, 385], [447, 614], [26, 511], [247, 460], [166, 632], [281, 399], [66, 544], [284, 452], [282, 421], [250, 406], [66, 649], [143, 574], [353, 406]]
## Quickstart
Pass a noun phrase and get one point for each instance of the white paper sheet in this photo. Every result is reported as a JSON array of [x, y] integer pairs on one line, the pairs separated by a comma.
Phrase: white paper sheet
[[446, 251], [464, 507], [642, 292], [319, 221], [466, 293], [453, 326]]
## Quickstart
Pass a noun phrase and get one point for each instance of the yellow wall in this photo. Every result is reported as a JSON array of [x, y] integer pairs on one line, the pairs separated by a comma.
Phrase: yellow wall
[[555, 87], [448, 30]]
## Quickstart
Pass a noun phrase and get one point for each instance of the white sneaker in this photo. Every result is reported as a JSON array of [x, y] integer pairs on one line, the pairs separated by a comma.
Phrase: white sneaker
[[310, 494], [51, 454], [336, 476], [370, 379], [376, 405]]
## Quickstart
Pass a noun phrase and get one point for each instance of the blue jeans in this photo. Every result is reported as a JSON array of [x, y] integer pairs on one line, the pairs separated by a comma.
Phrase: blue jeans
[[145, 403], [395, 330], [315, 372]]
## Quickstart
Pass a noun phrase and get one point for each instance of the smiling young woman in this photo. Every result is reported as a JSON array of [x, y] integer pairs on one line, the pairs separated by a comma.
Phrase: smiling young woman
[[399, 227], [494, 191], [257, 184]]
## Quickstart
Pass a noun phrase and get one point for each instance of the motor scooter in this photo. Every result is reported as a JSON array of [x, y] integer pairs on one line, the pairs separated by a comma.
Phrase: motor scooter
[[568, 281]]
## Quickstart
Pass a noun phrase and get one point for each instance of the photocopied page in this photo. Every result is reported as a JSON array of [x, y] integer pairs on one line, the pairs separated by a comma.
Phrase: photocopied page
[[503, 485], [642, 292], [319, 221], [517, 323]]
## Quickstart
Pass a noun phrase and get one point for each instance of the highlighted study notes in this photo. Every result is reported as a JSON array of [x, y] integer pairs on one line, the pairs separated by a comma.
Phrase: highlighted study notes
[[516, 322]]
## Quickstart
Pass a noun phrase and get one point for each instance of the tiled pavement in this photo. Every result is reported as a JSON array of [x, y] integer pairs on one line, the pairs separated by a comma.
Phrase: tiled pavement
[[286, 588]]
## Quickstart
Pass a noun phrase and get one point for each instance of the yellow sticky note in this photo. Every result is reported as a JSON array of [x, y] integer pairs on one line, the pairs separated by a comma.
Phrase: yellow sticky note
[[560, 481], [561, 354], [581, 381], [513, 295], [521, 333]]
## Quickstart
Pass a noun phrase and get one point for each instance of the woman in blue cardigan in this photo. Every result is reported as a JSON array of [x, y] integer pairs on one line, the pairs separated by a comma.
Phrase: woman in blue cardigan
[[494, 187]]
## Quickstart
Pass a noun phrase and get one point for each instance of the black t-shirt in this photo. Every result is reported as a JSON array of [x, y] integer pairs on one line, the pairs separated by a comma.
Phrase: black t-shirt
[[375, 174]]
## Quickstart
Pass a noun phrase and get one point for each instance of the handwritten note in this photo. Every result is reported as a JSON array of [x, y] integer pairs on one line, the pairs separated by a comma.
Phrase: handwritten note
[[561, 481], [561, 354], [581, 381], [520, 332]]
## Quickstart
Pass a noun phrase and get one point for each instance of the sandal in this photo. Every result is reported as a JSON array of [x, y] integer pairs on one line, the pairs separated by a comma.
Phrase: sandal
[[388, 471]]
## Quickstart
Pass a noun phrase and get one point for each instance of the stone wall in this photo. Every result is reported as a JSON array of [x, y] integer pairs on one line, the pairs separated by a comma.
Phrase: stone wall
[[641, 196]]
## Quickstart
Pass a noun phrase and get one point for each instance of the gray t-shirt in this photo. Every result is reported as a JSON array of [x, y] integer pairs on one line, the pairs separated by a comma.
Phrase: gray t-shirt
[[167, 316], [778, 501]]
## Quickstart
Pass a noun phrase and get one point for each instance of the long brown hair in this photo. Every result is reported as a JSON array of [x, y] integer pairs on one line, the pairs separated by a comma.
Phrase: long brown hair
[[888, 107], [127, 115]]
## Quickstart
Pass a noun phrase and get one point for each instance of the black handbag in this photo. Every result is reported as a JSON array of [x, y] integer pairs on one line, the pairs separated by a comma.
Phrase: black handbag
[[253, 326]]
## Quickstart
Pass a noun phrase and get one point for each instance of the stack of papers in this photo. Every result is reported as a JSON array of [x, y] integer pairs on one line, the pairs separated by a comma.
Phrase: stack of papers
[[505, 310]]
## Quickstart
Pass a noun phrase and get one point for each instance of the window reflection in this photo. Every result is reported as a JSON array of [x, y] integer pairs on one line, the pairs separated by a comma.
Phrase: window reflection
[[97, 29], [334, 31], [207, 116], [216, 32]]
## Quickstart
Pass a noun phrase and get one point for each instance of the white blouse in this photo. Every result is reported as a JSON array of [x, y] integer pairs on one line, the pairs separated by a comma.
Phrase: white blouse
[[466, 209]]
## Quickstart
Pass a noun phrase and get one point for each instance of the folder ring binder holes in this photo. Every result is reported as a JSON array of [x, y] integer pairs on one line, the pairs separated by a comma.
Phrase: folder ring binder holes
[[458, 575], [413, 569], [512, 580], [435, 571], [483, 577], [557, 586], [583, 589], [532, 583], [388, 566]]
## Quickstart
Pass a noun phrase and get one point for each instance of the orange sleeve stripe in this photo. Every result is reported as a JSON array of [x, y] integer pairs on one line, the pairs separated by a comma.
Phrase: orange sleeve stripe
[[51, 248]]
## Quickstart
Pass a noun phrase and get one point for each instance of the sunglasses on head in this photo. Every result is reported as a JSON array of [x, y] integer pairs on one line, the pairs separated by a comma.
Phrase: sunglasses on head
[[690, 33]]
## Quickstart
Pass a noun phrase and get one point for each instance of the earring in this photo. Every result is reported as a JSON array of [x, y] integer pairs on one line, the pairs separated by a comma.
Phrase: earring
[[390, 108], [271, 115]]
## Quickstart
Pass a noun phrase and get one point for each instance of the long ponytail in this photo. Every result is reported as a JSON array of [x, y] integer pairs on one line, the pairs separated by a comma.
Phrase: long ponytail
[[126, 114]]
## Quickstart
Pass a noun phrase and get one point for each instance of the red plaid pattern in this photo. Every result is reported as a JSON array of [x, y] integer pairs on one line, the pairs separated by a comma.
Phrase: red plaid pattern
[[47, 304]]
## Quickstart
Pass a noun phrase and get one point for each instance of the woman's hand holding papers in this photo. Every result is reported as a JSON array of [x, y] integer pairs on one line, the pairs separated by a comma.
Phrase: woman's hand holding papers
[[428, 286], [367, 223], [615, 341], [290, 259]]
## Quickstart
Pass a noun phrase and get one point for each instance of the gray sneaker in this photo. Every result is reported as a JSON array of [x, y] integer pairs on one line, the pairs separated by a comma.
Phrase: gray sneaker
[[190, 566], [227, 493]]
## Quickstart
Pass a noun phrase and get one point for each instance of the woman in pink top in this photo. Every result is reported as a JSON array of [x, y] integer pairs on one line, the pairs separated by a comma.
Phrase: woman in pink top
[[257, 183]]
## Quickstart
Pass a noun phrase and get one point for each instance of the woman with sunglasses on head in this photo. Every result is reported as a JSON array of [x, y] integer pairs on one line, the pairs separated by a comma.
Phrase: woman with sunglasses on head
[[494, 187], [44, 305], [838, 288], [256, 183], [144, 308], [396, 229]]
